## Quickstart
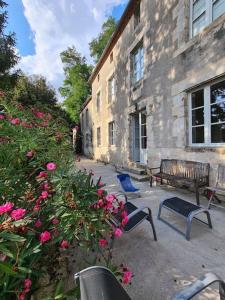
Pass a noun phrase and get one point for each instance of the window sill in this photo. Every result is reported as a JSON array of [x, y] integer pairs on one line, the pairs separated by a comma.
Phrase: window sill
[[217, 149], [198, 38], [137, 85]]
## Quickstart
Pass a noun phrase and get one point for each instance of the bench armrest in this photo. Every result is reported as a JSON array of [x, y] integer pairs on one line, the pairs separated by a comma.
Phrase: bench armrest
[[150, 169], [199, 285]]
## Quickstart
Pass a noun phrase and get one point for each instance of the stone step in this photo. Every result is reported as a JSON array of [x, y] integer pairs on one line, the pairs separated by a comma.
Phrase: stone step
[[134, 176], [135, 170]]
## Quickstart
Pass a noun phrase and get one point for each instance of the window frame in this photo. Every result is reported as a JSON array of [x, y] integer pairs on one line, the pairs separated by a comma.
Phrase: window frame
[[98, 136], [111, 96], [98, 102], [111, 133], [139, 50], [208, 14], [207, 117]]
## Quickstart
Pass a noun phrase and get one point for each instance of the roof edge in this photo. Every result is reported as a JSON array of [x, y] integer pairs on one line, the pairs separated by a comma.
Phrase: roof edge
[[114, 38], [85, 103]]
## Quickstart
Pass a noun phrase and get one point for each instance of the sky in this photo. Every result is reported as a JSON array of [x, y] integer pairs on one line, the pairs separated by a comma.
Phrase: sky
[[44, 28]]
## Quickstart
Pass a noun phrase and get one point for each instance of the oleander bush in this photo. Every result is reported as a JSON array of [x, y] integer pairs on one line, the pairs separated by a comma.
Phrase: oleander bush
[[46, 204]]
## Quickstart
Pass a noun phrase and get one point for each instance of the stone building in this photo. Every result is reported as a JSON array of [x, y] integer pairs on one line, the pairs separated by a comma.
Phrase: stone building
[[158, 90]]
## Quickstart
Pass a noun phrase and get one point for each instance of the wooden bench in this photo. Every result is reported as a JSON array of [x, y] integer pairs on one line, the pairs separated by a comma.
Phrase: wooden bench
[[183, 174]]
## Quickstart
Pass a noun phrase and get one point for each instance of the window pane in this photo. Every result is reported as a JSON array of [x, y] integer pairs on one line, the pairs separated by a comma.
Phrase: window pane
[[198, 135], [199, 24], [218, 8], [198, 8], [144, 143], [218, 92], [197, 99], [198, 116], [218, 113], [218, 133]]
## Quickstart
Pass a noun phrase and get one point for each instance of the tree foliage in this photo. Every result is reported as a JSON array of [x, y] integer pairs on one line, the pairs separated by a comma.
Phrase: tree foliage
[[76, 88], [34, 89], [8, 57], [98, 44]]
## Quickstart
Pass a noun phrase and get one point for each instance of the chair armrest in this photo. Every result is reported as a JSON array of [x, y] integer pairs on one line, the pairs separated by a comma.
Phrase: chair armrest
[[121, 194], [136, 211], [199, 285], [150, 169]]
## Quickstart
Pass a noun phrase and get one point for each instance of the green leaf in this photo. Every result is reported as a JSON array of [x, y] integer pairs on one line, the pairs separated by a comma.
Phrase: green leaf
[[6, 268], [6, 251], [12, 237]]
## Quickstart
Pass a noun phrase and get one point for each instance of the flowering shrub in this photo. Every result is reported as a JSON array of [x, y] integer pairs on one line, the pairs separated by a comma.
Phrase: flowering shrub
[[46, 205]]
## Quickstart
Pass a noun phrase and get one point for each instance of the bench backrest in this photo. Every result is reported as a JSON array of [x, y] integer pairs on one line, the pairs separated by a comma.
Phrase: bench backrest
[[221, 177], [185, 168]]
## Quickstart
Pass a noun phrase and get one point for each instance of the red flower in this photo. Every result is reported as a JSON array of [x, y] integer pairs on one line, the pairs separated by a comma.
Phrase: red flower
[[30, 154], [6, 207], [42, 174], [64, 244], [127, 277], [38, 223], [18, 213], [2, 117], [45, 237], [125, 221], [100, 192], [39, 114], [15, 121], [55, 221], [118, 232], [44, 194], [102, 243]]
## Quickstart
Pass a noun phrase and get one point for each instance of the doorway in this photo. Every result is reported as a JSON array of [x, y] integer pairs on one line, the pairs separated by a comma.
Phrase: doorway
[[139, 133]]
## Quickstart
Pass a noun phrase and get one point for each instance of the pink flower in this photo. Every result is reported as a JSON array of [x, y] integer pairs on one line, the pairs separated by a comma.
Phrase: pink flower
[[102, 243], [39, 200], [118, 232], [42, 174], [125, 221], [15, 121], [51, 166], [108, 206], [6, 207], [36, 208], [64, 244], [100, 192], [39, 114], [100, 184], [30, 154], [127, 277], [18, 213], [46, 186], [100, 202], [44, 194], [45, 237], [110, 198], [2, 117], [55, 232], [124, 214], [38, 223], [27, 283], [55, 221], [22, 296]]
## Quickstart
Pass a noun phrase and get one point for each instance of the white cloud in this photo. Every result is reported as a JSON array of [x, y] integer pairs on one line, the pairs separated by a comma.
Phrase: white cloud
[[57, 24]]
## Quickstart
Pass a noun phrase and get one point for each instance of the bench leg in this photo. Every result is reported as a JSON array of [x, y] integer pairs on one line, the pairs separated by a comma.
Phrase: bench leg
[[150, 219], [151, 178], [188, 229], [209, 219]]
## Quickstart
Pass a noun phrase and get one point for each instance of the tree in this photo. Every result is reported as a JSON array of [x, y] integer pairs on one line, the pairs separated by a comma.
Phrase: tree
[[33, 89], [76, 88], [8, 57], [98, 44]]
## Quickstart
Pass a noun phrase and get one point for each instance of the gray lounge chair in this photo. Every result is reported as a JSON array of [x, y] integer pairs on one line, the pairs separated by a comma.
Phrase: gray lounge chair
[[99, 283], [199, 285]]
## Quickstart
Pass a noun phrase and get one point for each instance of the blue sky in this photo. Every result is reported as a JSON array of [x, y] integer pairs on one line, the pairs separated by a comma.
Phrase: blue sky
[[18, 23], [45, 28]]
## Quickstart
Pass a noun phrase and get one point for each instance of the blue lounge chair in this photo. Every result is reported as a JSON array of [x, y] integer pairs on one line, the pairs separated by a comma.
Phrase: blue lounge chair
[[127, 185]]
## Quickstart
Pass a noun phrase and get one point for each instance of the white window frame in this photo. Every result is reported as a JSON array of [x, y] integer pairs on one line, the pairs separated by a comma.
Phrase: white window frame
[[207, 117], [111, 133], [98, 102], [138, 50], [208, 12], [111, 96], [98, 136]]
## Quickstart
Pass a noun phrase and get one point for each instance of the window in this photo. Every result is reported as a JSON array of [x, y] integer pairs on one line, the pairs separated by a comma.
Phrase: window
[[112, 133], [137, 60], [111, 89], [87, 117], [111, 57], [98, 136], [86, 140], [203, 12], [98, 102], [137, 15], [207, 115]]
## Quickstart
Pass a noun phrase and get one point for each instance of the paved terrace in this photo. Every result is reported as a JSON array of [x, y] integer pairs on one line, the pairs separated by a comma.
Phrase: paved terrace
[[161, 268]]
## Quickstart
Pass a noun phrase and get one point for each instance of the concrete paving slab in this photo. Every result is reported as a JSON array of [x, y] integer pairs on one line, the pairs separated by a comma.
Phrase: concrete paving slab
[[164, 267]]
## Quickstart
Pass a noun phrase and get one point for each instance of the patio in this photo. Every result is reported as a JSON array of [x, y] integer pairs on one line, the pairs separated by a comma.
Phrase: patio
[[164, 267]]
